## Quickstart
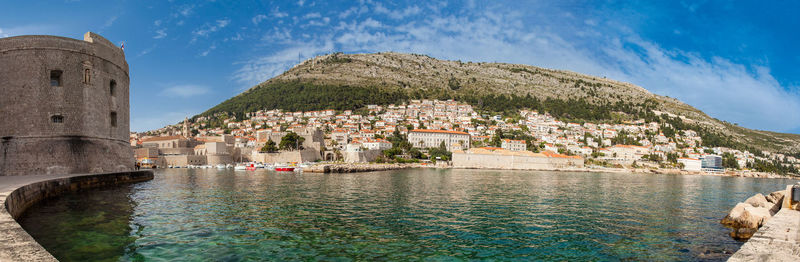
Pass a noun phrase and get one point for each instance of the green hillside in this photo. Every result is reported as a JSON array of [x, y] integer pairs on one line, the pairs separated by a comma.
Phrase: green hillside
[[341, 82]]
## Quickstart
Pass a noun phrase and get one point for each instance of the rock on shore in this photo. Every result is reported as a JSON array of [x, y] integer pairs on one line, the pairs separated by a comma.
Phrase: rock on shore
[[745, 218]]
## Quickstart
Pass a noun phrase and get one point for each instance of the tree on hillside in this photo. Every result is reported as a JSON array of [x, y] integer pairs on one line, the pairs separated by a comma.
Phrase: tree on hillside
[[729, 161], [269, 147], [440, 152], [292, 141]]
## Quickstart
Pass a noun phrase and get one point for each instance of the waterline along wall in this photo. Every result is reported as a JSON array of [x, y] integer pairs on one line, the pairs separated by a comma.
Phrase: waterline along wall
[[64, 106], [20, 192]]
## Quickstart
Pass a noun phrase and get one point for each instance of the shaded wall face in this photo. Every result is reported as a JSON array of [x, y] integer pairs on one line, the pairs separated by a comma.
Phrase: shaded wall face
[[64, 107]]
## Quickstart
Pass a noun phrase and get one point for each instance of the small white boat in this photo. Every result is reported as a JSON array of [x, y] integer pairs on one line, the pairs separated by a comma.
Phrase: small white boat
[[240, 167], [220, 166]]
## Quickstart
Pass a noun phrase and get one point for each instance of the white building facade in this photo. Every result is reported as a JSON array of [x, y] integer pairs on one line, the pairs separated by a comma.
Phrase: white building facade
[[514, 145], [427, 138]]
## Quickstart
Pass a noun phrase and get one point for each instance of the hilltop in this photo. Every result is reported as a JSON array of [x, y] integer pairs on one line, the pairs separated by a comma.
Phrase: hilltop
[[350, 81]]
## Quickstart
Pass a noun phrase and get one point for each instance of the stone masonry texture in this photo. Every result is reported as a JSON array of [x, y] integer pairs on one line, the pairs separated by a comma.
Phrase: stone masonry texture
[[80, 125]]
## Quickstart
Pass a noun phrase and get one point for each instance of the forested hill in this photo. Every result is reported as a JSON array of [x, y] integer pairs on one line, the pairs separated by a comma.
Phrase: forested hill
[[342, 81]]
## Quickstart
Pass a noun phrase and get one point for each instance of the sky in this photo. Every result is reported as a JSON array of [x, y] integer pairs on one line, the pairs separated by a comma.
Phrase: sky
[[735, 60]]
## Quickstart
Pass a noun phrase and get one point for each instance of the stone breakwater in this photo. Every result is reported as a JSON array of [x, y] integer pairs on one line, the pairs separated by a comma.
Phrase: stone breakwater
[[352, 168], [17, 193], [745, 218]]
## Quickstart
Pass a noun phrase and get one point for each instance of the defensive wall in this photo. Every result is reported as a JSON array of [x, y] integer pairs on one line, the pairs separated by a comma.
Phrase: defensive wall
[[504, 159], [305, 155]]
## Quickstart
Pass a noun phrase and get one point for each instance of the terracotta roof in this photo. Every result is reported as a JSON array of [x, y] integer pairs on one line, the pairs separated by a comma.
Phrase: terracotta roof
[[163, 138], [632, 146], [553, 154], [439, 131]]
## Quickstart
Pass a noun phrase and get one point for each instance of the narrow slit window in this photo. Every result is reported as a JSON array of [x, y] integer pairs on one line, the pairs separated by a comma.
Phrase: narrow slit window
[[57, 119], [113, 117], [112, 87], [55, 78], [87, 76]]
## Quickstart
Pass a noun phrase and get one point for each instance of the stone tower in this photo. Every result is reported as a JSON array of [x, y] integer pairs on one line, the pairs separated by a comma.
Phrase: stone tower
[[64, 106], [185, 131]]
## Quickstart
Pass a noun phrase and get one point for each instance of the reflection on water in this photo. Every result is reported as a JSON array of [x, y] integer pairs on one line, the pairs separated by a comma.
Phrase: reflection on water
[[396, 215], [83, 226]]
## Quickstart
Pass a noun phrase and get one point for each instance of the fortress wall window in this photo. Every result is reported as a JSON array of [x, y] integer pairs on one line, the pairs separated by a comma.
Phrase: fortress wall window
[[112, 87], [87, 76], [55, 78], [57, 119], [113, 117]]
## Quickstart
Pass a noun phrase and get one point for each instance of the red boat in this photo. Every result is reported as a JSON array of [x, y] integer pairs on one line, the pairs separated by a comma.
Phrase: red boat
[[251, 167], [284, 169]]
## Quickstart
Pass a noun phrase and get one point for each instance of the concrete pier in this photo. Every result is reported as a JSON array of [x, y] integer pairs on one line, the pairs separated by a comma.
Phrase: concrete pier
[[17, 193], [777, 240]]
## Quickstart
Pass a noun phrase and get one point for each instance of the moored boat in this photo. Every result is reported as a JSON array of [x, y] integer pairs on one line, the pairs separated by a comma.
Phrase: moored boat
[[284, 168]]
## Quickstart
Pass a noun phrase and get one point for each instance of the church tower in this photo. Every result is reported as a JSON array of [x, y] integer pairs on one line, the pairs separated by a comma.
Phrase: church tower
[[185, 132]]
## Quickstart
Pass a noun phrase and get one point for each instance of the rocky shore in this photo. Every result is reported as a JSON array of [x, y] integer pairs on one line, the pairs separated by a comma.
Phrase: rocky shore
[[729, 173], [745, 218], [352, 168]]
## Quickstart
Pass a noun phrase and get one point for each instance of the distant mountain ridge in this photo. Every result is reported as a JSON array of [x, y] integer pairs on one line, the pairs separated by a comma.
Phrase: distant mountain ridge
[[344, 81]]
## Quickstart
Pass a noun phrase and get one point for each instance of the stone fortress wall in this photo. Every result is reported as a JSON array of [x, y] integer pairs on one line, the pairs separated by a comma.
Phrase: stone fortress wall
[[64, 106]]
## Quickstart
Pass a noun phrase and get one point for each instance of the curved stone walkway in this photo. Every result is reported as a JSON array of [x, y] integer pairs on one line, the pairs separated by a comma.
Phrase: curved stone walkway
[[19, 192]]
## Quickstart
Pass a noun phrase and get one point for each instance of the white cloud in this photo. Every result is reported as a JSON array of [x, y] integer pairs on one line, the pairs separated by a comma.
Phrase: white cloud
[[160, 33], [312, 15], [3, 34], [110, 21], [356, 10], [207, 29], [258, 18], [258, 70], [146, 51], [158, 120], [32, 29], [211, 48], [238, 37], [186, 10], [278, 14], [744, 94], [185, 91], [397, 14], [301, 2]]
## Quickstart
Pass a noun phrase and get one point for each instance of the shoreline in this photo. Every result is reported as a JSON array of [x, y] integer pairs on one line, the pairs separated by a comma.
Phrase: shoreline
[[18, 193], [373, 167]]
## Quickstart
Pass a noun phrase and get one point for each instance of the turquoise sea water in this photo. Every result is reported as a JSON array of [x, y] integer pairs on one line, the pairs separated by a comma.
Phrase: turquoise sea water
[[418, 214]]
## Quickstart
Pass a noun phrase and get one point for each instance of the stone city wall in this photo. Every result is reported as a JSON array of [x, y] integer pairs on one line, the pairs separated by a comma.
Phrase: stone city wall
[[361, 156], [498, 161], [181, 160], [306, 155], [219, 159]]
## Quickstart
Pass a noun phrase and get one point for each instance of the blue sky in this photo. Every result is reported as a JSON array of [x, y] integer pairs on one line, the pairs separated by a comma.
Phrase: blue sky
[[735, 60]]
